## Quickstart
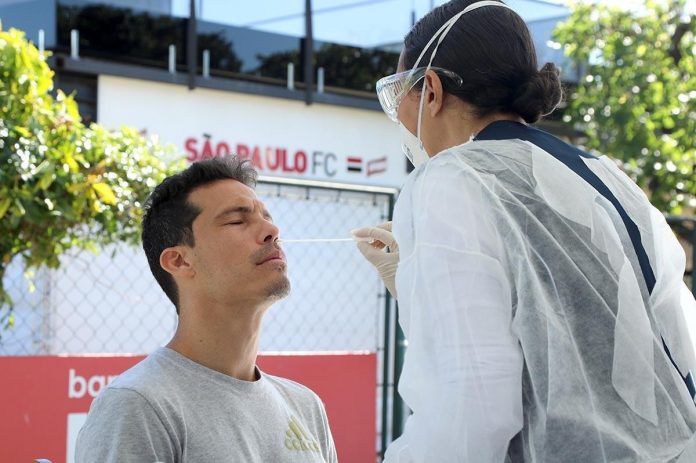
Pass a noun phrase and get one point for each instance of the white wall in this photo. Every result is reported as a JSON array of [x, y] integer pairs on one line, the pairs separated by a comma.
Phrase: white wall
[[189, 118]]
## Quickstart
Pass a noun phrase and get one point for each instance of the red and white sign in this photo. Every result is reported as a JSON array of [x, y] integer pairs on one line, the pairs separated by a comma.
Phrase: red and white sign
[[44, 400], [355, 164], [269, 160], [377, 166], [281, 137]]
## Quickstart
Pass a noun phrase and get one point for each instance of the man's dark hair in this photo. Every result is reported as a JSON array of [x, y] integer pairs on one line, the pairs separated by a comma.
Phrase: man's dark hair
[[169, 215], [492, 51]]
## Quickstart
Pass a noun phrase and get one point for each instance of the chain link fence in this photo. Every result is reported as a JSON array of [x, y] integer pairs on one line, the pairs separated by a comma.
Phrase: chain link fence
[[110, 302]]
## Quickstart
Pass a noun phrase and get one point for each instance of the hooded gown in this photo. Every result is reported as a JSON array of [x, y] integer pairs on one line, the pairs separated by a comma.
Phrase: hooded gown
[[543, 303]]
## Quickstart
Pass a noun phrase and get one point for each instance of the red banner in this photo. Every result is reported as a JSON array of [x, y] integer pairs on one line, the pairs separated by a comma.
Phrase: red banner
[[43, 400]]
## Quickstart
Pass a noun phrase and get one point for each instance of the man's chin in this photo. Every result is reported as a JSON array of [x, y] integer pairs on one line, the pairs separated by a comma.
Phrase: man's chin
[[279, 289]]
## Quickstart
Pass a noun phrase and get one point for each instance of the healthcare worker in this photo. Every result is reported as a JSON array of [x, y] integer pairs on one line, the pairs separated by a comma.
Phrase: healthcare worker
[[540, 292]]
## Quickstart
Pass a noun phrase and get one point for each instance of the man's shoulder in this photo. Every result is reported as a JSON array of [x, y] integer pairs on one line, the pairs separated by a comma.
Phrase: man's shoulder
[[146, 391], [147, 377], [130, 419], [293, 389]]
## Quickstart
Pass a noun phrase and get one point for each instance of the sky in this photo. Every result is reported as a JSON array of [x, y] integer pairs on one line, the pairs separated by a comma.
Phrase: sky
[[364, 23]]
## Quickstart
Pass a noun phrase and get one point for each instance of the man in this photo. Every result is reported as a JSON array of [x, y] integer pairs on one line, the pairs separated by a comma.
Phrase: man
[[212, 247]]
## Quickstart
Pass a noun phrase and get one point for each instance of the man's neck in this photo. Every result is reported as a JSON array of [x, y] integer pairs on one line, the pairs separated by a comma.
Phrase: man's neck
[[224, 339]]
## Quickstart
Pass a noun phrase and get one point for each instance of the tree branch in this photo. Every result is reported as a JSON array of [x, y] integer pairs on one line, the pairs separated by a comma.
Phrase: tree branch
[[679, 32]]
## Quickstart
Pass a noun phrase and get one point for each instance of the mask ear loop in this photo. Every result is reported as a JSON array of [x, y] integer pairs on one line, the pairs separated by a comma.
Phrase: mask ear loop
[[449, 24], [440, 36]]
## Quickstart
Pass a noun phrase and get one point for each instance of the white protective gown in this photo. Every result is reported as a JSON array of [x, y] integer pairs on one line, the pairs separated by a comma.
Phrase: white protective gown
[[543, 302]]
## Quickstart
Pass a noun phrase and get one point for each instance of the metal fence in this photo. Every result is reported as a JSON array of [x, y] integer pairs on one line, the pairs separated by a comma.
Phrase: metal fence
[[110, 303]]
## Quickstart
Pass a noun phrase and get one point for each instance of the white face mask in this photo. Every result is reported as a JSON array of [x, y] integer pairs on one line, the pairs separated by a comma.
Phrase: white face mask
[[412, 146], [410, 143]]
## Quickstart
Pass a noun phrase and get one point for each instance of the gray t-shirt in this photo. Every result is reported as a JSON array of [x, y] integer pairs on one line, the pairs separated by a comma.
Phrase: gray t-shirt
[[170, 409]]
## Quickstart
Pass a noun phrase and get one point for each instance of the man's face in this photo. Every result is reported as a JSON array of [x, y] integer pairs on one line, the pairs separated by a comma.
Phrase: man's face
[[235, 256]]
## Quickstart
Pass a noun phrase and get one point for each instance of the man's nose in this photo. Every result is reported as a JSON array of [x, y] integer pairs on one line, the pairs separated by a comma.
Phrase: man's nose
[[270, 232]]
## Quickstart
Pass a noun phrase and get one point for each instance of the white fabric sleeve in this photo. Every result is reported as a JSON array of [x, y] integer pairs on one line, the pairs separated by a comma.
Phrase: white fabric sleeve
[[463, 369], [122, 427]]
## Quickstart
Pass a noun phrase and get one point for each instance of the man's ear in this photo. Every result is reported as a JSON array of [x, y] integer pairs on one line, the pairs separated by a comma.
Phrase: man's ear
[[435, 95], [175, 261]]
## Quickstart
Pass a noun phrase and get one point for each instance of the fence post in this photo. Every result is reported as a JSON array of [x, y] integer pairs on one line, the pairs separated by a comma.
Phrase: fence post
[[291, 76], [400, 344], [74, 44], [172, 59], [42, 41], [387, 354], [308, 55], [206, 64], [399, 407], [320, 80], [192, 45], [385, 372]]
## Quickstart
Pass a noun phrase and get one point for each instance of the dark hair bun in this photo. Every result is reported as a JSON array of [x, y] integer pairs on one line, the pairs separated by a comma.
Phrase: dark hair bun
[[539, 95]]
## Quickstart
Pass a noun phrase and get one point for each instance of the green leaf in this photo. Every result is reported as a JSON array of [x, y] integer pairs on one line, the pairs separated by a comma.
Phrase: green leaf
[[106, 194], [10, 321], [22, 131], [4, 206], [46, 179], [19, 207], [70, 162]]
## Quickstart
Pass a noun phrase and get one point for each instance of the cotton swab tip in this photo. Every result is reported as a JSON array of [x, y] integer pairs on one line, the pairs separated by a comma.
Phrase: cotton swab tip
[[325, 240]]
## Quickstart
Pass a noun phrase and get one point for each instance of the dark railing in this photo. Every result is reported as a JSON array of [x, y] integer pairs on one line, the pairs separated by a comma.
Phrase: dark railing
[[120, 34], [143, 38]]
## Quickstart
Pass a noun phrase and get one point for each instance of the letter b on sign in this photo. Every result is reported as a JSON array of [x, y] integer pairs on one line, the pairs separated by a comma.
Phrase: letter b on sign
[[77, 385]]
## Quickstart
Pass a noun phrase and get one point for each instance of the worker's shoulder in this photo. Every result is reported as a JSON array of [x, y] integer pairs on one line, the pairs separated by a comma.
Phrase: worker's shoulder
[[456, 166], [479, 164], [491, 155]]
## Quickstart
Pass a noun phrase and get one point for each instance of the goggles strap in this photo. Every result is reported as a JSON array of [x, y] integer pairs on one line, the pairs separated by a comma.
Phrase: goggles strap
[[440, 36]]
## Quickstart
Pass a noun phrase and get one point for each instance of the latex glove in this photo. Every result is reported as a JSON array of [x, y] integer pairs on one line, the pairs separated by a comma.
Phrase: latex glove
[[378, 246]]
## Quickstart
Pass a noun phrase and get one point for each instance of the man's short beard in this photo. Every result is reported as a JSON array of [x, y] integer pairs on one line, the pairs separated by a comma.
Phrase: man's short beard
[[279, 288]]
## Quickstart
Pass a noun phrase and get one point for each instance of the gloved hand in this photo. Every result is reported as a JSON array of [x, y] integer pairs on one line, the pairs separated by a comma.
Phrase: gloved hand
[[372, 242]]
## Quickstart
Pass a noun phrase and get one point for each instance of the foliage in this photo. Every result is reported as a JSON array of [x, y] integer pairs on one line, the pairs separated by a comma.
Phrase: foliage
[[637, 100], [344, 66], [63, 185]]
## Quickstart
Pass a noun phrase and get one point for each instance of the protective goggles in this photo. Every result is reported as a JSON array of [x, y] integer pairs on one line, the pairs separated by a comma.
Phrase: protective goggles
[[391, 89]]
